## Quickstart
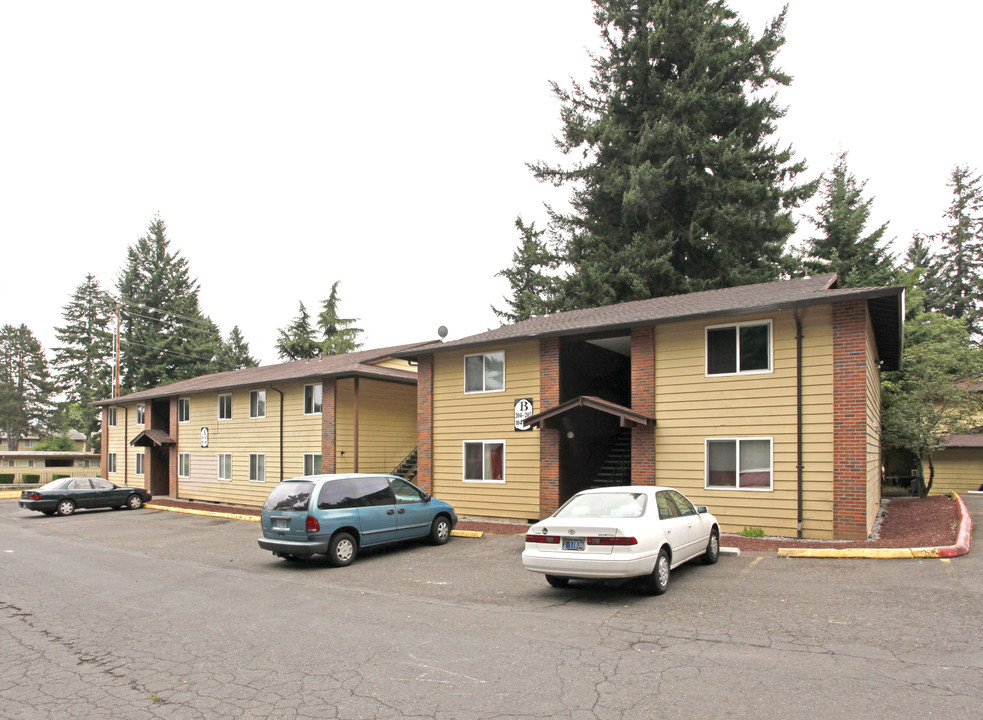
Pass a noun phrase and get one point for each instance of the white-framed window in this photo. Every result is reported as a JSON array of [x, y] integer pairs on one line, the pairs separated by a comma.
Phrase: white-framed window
[[184, 465], [484, 461], [257, 467], [110, 416], [111, 462], [225, 406], [484, 372], [141, 413], [739, 464], [312, 399], [184, 410], [739, 348], [225, 466], [140, 457], [312, 463], [257, 404]]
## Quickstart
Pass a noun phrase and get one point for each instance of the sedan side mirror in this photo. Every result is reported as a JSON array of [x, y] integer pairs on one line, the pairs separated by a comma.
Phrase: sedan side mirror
[[700, 509]]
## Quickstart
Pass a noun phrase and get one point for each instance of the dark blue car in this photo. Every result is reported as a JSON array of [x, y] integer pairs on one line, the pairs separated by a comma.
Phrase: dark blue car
[[335, 515], [65, 495]]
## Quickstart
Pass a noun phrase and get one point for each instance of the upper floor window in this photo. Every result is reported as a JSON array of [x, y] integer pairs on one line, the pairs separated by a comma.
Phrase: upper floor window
[[257, 404], [485, 372], [312, 463], [183, 410], [141, 413], [312, 399], [110, 416], [225, 406], [739, 348]]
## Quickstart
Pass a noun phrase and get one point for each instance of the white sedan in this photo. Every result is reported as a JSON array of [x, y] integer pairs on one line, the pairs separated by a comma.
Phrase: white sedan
[[622, 532]]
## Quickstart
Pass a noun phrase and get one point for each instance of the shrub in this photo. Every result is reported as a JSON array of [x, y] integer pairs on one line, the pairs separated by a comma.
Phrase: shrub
[[59, 477], [6, 478], [752, 532], [28, 479]]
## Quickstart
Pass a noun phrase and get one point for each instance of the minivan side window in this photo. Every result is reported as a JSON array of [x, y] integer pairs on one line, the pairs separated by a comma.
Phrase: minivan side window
[[373, 491], [405, 492], [335, 495]]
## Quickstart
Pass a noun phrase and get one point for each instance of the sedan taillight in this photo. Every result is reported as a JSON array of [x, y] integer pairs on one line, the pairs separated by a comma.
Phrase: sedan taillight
[[313, 526], [547, 539], [34, 496], [612, 541]]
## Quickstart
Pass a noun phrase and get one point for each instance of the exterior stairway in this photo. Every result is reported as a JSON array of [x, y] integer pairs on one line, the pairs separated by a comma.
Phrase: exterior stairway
[[407, 468], [616, 469]]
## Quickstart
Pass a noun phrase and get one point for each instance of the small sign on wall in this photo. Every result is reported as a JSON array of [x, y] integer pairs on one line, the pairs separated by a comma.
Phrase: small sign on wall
[[523, 411], [204, 437]]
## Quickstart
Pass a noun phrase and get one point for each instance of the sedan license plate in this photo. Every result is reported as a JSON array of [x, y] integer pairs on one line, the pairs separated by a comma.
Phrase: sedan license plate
[[281, 523], [573, 544]]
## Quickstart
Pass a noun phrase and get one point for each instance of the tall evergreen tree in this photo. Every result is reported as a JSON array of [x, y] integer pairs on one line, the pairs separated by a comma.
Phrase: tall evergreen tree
[[25, 385], [296, 341], [532, 277], [165, 337], [961, 255], [235, 352], [83, 362], [681, 186], [859, 260], [920, 274], [338, 335]]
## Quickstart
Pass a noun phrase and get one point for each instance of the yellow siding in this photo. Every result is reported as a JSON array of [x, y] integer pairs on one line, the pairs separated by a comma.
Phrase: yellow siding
[[386, 425], [873, 430], [487, 416], [958, 470], [242, 436], [396, 364], [119, 442], [691, 407]]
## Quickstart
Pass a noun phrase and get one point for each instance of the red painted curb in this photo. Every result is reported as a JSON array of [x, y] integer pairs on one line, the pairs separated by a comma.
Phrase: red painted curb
[[963, 536]]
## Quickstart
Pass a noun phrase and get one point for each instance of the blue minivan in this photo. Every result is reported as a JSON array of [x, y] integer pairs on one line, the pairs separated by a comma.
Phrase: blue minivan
[[335, 515]]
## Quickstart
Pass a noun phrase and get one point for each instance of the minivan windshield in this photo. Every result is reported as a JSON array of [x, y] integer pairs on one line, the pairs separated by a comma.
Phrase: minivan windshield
[[289, 496]]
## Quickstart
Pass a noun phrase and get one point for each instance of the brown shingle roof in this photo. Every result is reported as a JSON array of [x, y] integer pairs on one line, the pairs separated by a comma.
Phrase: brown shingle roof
[[887, 312], [352, 364]]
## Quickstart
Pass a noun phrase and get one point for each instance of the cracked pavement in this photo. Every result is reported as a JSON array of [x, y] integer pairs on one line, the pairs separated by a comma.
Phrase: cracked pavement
[[149, 614]]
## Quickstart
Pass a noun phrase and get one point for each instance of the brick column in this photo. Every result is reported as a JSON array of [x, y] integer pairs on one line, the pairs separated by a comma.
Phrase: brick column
[[643, 401], [424, 422], [850, 420], [549, 437], [329, 426]]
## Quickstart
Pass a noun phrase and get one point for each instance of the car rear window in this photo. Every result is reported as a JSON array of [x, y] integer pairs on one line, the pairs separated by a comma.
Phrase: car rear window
[[289, 496], [604, 505]]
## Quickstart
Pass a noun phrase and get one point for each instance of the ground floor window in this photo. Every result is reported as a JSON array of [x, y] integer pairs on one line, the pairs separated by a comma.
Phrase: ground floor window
[[484, 461], [257, 467], [184, 465], [140, 457], [225, 466], [111, 463], [312, 463], [739, 463]]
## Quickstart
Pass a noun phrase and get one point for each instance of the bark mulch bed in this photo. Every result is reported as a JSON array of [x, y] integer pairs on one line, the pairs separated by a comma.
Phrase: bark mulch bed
[[902, 523]]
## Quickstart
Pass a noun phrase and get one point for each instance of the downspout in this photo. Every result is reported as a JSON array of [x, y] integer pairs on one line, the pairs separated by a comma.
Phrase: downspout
[[798, 421], [356, 424], [126, 446], [281, 429]]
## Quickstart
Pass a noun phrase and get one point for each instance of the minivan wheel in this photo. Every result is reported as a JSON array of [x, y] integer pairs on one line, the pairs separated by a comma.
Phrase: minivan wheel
[[440, 531], [342, 549]]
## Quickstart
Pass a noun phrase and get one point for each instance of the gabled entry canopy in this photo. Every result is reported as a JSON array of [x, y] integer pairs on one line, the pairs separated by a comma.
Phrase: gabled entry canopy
[[626, 416], [152, 438]]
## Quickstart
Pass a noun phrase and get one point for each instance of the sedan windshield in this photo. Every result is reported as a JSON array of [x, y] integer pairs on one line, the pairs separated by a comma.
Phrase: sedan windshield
[[289, 496], [604, 505]]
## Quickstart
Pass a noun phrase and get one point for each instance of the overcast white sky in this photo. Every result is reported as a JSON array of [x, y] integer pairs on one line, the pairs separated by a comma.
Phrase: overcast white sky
[[291, 144]]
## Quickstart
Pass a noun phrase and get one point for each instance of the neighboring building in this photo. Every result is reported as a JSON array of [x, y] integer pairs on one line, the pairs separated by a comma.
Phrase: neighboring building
[[959, 468], [762, 402], [34, 467], [230, 436], [30, 442]]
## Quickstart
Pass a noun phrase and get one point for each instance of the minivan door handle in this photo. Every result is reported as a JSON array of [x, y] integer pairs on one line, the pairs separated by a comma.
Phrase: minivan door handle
[[390, 511], [401, 511]]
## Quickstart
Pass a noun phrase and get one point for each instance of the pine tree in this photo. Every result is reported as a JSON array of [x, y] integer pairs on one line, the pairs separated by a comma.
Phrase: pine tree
[[338, 335], [859, 260], [960, 269], [235, 352], [25, 385], [296, 341], [164, 336], [681, 187], [84, 361], [920, 275], [534, 285]]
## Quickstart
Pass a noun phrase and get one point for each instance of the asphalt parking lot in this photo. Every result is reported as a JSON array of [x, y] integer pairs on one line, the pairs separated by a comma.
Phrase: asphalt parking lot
[[151, 614]]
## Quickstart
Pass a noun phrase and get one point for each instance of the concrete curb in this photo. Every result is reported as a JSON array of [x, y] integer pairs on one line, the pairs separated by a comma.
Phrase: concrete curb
[[256, 518], [962, 546]]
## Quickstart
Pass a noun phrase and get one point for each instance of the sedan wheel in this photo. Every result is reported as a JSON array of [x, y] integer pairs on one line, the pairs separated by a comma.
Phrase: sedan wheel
[[134, 502], [342, 550], [712, 553], [66, 507], [658, 582]]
